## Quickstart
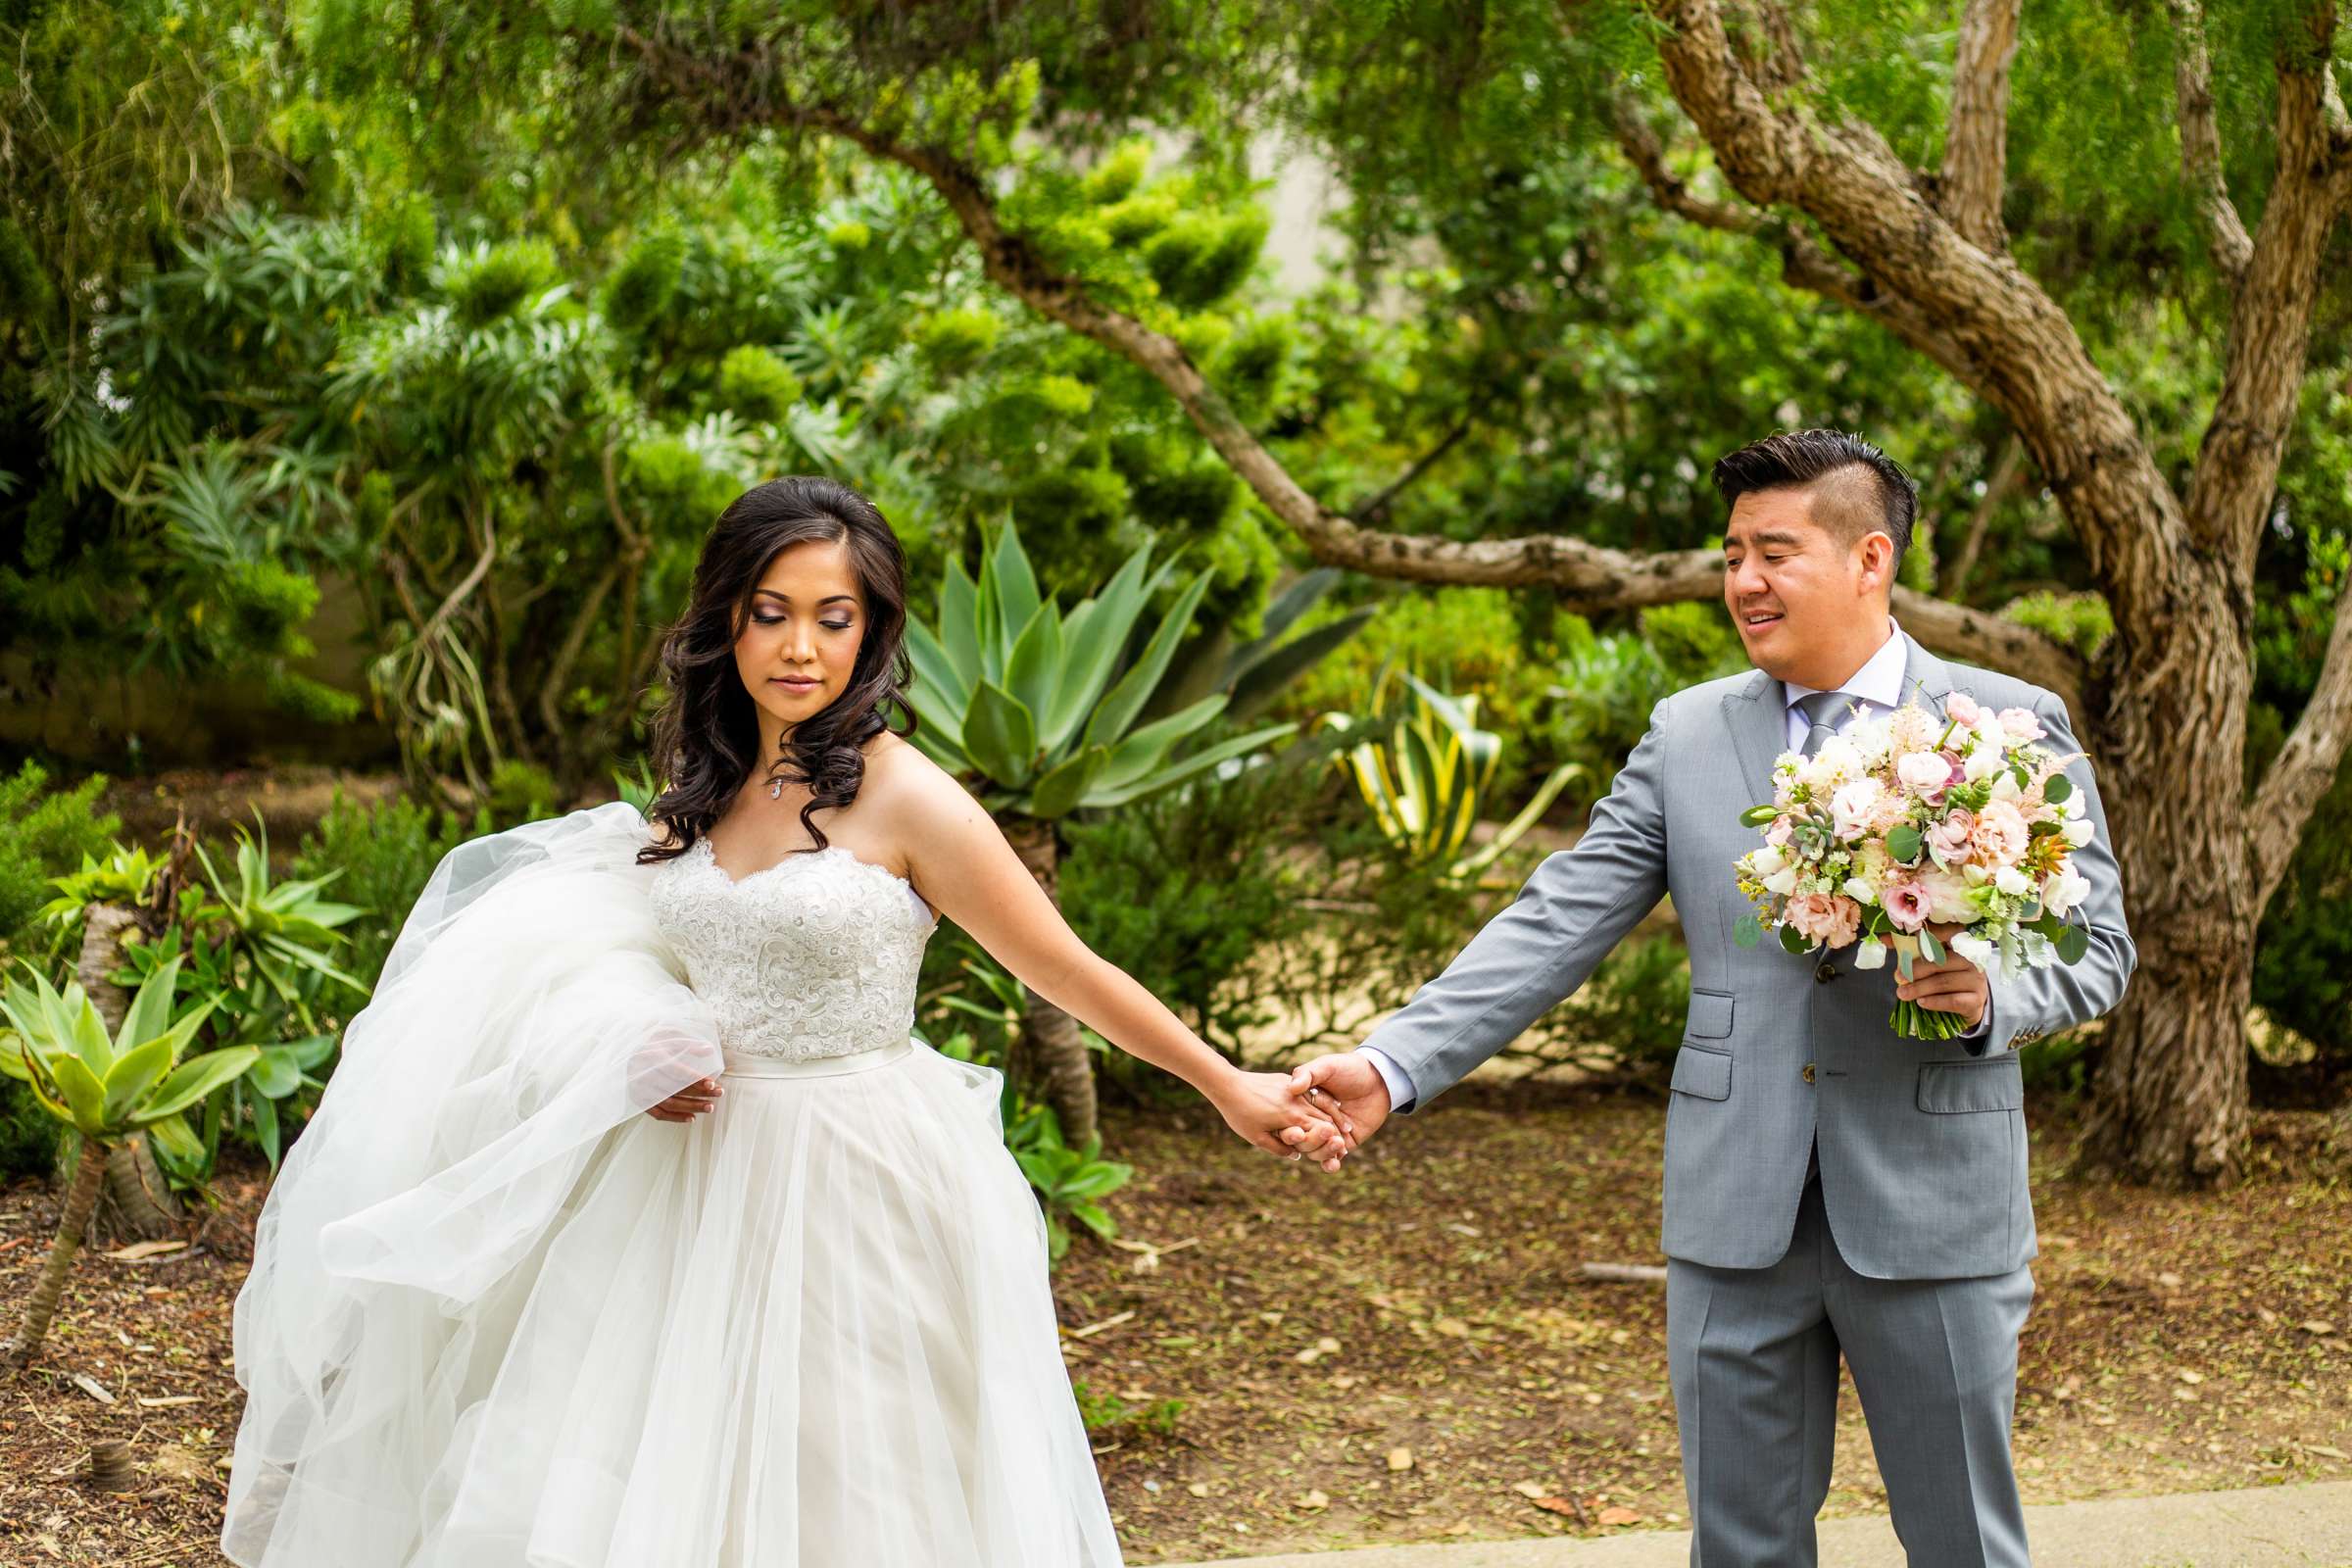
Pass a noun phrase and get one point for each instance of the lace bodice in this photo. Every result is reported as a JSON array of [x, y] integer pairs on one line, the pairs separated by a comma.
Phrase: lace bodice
[[816, 956]]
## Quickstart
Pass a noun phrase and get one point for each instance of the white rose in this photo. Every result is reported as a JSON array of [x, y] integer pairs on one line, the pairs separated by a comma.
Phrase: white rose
[[2076, 832], [1981, 762], [2010, 880], [1860, 891], [2005, 788], [1975, 949], [2062, 891], [1853, 806], [1839, 758], [1922, 771], [1766, 861], [1782, 881], [1871, 954]]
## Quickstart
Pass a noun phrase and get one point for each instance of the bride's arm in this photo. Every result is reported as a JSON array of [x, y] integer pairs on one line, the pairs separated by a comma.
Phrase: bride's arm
[[960, 861]]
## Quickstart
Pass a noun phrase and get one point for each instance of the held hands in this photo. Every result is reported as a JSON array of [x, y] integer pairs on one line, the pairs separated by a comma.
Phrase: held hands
[[1346, 1087], [1951, 985], [1261, 1108]]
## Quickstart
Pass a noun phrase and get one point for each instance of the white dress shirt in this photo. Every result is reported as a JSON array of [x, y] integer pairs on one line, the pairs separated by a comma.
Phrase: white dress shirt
[[1878, 686]]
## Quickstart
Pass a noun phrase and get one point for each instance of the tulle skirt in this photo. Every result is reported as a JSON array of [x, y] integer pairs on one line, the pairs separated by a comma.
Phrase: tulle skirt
[[499, 1318]]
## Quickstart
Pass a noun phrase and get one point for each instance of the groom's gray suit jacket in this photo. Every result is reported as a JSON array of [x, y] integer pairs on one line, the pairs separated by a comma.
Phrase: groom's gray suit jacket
[[1922, 1143]]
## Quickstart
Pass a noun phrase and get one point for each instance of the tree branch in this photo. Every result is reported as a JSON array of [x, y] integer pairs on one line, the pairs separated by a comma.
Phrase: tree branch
[[1588, 577], [1803, 264], [1976, 147], [2306, 765], [1974, 311], [2270, 318], [2007, 469], [2201, 142], [1377, 507]]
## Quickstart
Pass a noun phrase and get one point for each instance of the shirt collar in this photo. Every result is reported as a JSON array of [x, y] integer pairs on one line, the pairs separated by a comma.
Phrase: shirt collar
[[1880, 680]]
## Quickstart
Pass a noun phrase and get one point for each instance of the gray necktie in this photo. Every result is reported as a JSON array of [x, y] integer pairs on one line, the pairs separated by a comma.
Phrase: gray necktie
[[1823, 710]]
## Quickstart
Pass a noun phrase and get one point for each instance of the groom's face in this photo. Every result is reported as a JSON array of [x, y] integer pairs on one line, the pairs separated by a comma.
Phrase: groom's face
[[1801, 598]]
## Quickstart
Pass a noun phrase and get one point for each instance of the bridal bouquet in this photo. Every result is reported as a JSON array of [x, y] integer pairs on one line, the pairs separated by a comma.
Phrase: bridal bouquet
[[1916, 818]]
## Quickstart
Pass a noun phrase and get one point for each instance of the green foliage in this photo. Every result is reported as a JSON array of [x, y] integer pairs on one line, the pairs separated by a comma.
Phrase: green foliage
[[43, 833], [520, 792], [2082, 621], [1427, 767], [1106, 1415], [385, 853], [756, 384], [1041, 707]]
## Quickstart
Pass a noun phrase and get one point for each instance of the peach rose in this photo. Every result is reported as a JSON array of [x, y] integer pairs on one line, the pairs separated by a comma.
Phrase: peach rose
[[1829, 919], [1999, 837]]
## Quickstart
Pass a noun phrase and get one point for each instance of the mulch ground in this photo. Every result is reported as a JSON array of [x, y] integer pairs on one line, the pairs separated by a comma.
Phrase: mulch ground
[[1276, 1360]]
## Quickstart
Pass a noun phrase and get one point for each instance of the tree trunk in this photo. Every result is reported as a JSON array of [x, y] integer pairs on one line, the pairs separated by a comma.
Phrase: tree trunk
[[2169, 1105], [1051, 1053], [41, 1305], [135, 1203]]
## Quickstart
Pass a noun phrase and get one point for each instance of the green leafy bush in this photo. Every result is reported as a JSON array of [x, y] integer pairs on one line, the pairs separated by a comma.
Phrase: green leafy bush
[[386, 852]]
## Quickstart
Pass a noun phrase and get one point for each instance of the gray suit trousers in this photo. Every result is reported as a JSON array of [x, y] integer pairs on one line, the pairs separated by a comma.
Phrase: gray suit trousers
[[1752, 1354]]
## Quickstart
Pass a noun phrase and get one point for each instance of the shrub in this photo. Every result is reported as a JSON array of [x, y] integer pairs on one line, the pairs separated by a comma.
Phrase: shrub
[[756, 384], [386, 852]]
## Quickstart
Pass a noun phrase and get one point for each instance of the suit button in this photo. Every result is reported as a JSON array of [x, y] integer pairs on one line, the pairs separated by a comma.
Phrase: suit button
[[1825, 972], [1808, 1072]]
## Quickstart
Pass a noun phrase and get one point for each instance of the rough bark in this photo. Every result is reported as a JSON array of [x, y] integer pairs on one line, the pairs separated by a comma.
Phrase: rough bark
[[2171, 715], [1922, 255], [135, 1203], [1052, 1052], [1976, 146], [40, 1308], [2201, 142]]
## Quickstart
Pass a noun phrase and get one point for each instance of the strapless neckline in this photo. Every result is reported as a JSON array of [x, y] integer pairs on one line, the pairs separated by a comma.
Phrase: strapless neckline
[[710, 859]]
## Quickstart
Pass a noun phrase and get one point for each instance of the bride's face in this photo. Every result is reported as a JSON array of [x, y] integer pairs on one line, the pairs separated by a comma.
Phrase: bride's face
[[799, 645]]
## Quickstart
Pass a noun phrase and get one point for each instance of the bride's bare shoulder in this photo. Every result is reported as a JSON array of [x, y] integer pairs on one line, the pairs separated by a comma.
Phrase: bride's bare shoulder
[[905, 785]]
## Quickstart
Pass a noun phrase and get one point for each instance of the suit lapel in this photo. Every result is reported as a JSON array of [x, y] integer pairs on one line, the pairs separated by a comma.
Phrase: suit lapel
[[1925, 677], [1758, 721]]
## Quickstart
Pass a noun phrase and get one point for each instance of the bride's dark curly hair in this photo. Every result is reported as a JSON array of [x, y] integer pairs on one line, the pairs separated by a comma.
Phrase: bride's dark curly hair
[[706, 736]]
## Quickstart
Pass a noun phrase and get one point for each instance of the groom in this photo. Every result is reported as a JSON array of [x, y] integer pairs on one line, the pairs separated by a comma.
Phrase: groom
[[1832, 1189]]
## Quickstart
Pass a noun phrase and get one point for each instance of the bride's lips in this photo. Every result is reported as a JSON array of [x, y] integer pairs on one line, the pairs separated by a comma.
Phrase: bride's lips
[[792, 685]]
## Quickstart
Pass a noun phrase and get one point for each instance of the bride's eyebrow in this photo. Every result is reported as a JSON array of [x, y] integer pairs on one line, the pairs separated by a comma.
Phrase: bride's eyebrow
[[830, 599]]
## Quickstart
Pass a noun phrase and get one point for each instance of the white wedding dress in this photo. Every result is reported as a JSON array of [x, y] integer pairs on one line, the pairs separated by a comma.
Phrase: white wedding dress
[[500, 1318]]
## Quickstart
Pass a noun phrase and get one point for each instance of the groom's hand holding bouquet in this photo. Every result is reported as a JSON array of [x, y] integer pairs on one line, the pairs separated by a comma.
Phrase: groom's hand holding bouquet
[[1923, 834]]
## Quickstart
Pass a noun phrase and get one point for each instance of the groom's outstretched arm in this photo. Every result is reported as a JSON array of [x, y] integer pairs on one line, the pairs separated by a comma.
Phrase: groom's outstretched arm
[[1573, 910]]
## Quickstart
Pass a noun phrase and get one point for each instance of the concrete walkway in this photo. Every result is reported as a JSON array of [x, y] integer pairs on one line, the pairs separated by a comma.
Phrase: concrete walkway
[[2308, 1526]]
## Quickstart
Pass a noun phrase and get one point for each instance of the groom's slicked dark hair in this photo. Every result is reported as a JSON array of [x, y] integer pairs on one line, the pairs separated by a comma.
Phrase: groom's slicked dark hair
[[1856, 488]]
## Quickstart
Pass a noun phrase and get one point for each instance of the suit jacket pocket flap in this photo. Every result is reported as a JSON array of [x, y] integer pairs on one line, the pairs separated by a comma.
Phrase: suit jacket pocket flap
[[1704, 1073], [1710, 1016], [1996, 1083]]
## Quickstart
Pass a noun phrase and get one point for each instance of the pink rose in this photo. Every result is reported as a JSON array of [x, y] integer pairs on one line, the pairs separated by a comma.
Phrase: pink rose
[[1999, 836], [1949, 838], [1924, 775], [1829, 919], [1962, 709], [1907, 904], [2020, 724]]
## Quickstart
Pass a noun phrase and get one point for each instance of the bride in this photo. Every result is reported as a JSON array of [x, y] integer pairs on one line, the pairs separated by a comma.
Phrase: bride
[[634, 1231]]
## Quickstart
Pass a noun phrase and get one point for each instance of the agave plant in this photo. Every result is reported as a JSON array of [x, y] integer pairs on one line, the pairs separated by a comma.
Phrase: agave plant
[[1019, 695], [1425, 776], [1032, 705], [109, 1091]]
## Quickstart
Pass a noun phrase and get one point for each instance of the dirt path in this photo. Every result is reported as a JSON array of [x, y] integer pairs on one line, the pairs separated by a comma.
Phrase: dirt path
[[2176, 1343]]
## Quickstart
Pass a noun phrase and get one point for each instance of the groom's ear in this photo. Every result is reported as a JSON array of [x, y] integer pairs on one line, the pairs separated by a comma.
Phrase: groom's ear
[[1877, 560]]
